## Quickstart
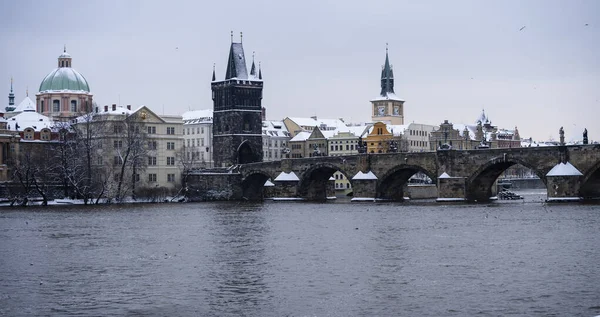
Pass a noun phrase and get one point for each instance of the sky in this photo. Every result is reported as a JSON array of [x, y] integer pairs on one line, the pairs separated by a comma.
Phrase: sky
[[530, 64]]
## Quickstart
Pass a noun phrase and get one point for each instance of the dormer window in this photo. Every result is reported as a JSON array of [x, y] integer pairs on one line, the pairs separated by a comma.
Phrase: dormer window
[[28, 135]]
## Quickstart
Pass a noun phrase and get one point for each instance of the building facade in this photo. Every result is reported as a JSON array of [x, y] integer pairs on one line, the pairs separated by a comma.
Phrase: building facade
[[197, 139], [275, 141], [237, 112]]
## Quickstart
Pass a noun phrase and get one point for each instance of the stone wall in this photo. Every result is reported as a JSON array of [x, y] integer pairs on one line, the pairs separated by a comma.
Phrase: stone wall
[[214, 186]]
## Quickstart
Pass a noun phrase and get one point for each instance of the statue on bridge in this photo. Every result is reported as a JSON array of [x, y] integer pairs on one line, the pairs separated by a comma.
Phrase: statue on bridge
[[561, 133], [585, 138]]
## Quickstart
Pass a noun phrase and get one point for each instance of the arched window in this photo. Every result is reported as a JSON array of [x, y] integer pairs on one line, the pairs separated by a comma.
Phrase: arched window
[[41, 105], [73, 105], [56, 105]]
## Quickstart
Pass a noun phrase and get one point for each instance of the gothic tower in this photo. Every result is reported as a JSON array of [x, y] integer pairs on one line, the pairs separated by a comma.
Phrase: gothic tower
[[11, 98], [237, 124], [388, 107]]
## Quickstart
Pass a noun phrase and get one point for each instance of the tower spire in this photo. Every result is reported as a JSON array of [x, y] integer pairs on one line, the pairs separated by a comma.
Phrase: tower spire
[[253, 67], [65, 48], [214, 77], [231, 36], [241, 37], [11, 98], [387, 76], [259, 71]]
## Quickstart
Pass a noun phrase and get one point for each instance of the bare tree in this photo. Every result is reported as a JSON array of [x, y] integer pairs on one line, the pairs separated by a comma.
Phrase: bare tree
[[34, 173], [132, 155]]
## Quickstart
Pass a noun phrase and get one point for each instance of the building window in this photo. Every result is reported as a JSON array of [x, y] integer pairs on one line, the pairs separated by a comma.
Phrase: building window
[[99, 160], [73, 105], [170, 145], [117, 160], [41, 105], [151, 160], [55, 105], [152, 177], [117, 128], [136, 177], [193, 132], [171, 177], [151, 130], [117, 144], [202, 130], [29, 134], [171, 130], [170, 160], [152, 145]]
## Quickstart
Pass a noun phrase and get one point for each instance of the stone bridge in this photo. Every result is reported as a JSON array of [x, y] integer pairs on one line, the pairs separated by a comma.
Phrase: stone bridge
[[569, 172]]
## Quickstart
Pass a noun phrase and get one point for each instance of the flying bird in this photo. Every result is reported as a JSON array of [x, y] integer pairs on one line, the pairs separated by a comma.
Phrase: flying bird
[[586, 24], [521, 29]]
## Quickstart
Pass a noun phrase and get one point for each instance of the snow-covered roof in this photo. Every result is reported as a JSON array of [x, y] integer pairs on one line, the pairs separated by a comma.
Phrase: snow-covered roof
[[274, 129], [361, 175], [291, 176], [482, 118], [444, 175], [564, 169], [472, 128], [301, 136], [388, 96], [329, 124], [25, 105], [200, 115], [268, 183], [397, 129], [29, 119]]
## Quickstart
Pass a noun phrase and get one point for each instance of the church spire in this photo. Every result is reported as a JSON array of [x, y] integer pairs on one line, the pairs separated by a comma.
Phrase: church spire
[[214, 77], [11, 97], [236, 64], [387, 76]]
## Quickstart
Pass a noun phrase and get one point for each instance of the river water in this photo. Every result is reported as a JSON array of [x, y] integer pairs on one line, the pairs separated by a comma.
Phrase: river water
[[518, 258]]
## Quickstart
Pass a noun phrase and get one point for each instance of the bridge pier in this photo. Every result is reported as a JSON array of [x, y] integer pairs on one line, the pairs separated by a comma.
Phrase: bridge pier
[[451, 188], [563, 183], [364, 187]]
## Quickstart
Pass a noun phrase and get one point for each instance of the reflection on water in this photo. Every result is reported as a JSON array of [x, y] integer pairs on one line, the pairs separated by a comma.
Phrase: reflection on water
[[524, 258]]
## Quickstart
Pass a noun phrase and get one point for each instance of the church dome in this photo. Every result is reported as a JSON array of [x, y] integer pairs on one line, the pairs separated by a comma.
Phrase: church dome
[[64, 78]]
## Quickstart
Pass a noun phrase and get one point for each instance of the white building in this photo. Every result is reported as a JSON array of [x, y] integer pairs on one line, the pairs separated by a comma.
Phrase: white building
[[275, 138], [197, 138]]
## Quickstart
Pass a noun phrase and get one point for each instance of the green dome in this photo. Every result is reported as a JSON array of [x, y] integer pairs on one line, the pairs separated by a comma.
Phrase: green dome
[[64, 78]]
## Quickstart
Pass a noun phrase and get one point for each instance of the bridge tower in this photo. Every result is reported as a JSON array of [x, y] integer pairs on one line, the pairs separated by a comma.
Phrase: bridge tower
[[237, 121], [388, 107]]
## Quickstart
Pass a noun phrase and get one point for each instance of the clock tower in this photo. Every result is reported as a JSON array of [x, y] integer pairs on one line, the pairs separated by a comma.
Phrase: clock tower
[[388, 107]]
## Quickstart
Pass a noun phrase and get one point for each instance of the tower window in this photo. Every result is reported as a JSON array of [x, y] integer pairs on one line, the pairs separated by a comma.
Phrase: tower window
[[73, 105], [55, 105], [41, 105]]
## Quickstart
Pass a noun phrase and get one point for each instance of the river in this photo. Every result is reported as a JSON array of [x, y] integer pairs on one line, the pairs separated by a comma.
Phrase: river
[[518, 258]]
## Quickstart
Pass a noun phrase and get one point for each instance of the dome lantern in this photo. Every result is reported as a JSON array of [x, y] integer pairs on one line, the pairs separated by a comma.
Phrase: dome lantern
[[64, 60]]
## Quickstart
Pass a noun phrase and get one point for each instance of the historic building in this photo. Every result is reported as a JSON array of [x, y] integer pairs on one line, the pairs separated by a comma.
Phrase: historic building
[[482, 134], [296, 125], [237, 120], [381, 140], [275, 140], [64, 93], [387, 107], [197, 139], [118, 127]]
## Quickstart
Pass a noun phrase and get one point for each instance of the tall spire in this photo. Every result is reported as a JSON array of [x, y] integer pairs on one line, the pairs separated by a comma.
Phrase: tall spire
[[387, 76], [253, 68], [11, 98], [214, 77], [236, 64], [65, 48], [259, 71]]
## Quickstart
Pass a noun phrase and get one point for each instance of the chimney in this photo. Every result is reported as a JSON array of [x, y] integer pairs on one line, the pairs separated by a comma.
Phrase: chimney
[[128, 107], [114, 107], [264, 114], [105, 108]]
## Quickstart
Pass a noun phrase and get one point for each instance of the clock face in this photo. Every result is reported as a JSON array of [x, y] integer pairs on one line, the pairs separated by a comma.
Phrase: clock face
[[381, 110]]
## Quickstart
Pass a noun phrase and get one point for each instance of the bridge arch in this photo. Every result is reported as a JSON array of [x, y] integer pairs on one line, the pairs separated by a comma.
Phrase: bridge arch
[[590, 182], [253, 184], [314, 182], [390, 185], [479, 184]]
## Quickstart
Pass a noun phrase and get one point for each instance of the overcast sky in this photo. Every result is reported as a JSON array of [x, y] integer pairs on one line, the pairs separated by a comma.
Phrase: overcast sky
[[451, 59]]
